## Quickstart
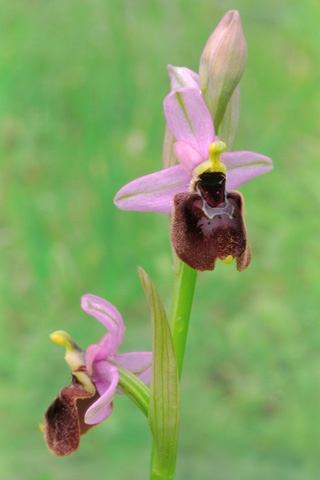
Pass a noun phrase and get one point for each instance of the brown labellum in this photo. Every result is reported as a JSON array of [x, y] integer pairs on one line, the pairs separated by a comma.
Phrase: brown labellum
[[210, 225], [64, 419]]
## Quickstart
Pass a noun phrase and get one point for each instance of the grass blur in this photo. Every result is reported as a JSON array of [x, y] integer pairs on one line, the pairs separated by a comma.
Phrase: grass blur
[[82, 84]]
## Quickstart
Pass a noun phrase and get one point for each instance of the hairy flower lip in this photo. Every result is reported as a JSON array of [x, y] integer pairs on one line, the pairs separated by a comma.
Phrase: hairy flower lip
[[199, 238], [64, 419]]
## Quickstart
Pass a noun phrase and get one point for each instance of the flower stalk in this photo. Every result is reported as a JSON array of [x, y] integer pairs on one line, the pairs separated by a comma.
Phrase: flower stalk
[[184, 286]]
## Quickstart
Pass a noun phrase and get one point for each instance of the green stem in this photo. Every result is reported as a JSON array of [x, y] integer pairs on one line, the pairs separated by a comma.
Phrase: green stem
[[134, 388], [184, 285]]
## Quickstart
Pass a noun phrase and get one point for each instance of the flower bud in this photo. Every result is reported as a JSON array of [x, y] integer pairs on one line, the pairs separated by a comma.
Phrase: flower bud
[[222, 63]]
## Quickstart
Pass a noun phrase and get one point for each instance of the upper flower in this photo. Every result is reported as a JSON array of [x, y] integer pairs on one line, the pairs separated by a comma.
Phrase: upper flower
[[192, 127], [208, 217], [88, 400]]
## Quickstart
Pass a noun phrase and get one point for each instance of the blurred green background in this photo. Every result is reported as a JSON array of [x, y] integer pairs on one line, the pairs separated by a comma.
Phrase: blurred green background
[[82, 85]]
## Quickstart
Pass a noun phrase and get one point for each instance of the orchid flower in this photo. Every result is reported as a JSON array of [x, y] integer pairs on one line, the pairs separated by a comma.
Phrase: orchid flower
[[95, 377], [198, 151]]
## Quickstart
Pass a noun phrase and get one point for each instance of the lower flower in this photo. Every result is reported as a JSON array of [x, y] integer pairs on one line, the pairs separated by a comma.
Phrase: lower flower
[[89, 399]]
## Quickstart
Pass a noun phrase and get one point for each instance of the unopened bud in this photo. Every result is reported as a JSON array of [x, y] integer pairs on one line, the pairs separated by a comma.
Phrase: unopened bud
[[222, 63]]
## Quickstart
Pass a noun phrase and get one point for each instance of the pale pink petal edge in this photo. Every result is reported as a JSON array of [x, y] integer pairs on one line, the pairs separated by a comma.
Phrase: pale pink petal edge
[[154, 192], [139, 363], [102, 408], [242, 166]]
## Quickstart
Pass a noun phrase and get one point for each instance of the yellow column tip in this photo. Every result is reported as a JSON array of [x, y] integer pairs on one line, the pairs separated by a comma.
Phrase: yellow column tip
[[212, 148], [61, 338]]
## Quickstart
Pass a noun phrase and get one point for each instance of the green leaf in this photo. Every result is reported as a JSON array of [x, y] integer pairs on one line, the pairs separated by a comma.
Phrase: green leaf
[[164, 406]]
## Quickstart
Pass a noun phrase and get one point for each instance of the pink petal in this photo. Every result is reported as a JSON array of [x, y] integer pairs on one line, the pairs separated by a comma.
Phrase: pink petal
[[139, 363], [182, 77], [106, 378], [108, 315], [187, 156], [189, 119], [99, 351], [243, 166], [154, 192]]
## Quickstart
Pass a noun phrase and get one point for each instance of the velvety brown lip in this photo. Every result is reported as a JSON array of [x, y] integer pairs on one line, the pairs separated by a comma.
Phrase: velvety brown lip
[[200, 234]]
